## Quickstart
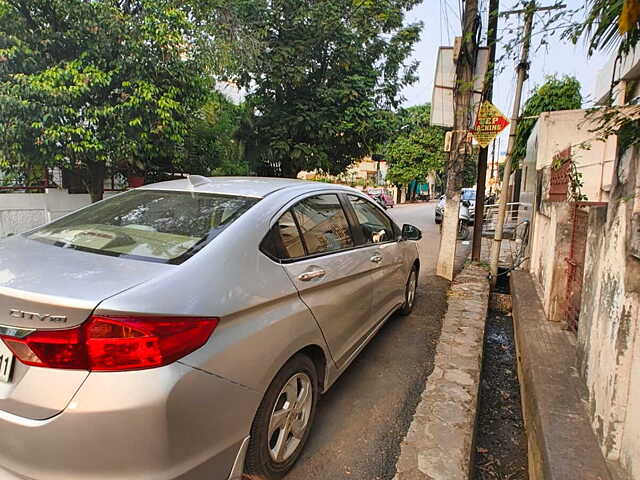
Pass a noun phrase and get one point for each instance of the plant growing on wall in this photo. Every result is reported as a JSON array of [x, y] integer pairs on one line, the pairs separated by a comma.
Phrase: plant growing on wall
[[575, 182]]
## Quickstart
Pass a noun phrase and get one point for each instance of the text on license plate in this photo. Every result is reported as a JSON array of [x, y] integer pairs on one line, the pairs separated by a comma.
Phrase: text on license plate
[[6, 362]]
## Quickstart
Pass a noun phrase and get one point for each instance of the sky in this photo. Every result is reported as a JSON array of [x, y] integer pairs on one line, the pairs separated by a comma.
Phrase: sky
[[441, 20]]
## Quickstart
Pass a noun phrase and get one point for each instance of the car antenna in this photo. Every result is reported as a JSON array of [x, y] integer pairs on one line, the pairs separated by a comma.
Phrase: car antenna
[[197, 180]]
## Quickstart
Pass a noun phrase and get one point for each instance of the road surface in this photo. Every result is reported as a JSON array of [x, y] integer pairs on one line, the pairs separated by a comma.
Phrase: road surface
[[363, 418]]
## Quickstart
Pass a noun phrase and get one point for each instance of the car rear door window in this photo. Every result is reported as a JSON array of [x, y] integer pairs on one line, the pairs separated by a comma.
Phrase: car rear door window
[[323, 224], [376, 227]]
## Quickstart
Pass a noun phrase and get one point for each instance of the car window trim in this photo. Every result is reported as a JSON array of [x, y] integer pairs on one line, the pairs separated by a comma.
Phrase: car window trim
[[297, 222], [352, 219]]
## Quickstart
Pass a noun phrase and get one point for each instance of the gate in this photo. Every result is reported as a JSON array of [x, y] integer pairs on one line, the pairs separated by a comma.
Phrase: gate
[[575, 261]]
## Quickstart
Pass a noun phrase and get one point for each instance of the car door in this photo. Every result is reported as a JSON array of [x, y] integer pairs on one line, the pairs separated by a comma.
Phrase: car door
[[381, 238], [333, 276]]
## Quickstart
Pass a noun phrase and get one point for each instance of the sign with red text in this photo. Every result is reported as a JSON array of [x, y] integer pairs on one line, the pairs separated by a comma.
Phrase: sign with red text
[[489, 123]]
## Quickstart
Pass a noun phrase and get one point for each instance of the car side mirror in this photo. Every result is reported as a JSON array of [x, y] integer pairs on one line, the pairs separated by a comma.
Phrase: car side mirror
[[466, 203], [409, 232]]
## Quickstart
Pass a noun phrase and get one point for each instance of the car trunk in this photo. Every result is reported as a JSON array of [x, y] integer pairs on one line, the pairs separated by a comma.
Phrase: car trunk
[[47, 287]]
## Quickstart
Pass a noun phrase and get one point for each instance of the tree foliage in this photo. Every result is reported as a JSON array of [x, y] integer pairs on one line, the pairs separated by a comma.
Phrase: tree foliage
[[604, 25], [325, 81], [102, 85], [417, 149], [555, 94], [213, 147]]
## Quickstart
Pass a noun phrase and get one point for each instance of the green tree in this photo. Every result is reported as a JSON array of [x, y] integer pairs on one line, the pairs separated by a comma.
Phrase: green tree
[[212, 146], [102, 85], [555, 94], [325, 81], [417, 149]]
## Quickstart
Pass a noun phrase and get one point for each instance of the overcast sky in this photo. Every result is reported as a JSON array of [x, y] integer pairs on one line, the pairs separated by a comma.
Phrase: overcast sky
[[441, 20]]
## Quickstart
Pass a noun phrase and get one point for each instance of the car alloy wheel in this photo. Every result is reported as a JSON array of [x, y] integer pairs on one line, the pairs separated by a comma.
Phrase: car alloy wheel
[[290, 417], [410, 292], [283, 421]]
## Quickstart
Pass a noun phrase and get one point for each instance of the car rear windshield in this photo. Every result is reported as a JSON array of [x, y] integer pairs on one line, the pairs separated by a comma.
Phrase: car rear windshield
[[159, 226]]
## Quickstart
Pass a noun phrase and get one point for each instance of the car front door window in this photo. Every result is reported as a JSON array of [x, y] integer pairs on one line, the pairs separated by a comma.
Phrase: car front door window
[[375, 225]]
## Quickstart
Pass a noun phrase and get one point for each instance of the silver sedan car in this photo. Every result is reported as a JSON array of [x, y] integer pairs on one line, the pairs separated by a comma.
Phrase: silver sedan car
[[185, 330]]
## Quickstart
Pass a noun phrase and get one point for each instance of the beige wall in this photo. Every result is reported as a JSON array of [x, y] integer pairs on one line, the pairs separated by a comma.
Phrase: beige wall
[[609, 328], [551, 223], [549, 249], [570, 128]]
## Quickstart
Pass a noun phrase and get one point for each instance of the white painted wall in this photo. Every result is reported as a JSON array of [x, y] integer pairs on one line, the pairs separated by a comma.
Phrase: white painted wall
[[20, 212], [624, 70]]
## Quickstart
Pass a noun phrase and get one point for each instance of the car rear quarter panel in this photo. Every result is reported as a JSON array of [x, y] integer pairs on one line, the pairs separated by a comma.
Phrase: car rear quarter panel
[[117, 427]]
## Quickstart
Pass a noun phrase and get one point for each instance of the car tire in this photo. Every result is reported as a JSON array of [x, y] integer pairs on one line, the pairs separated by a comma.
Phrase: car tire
[[410, 292], [287, 440]]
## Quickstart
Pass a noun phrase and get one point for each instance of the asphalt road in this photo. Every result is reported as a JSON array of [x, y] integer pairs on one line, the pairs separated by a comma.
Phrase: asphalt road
[[364, 417]]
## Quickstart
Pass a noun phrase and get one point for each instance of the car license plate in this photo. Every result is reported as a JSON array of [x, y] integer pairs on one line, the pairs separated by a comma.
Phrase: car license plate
[[6, 363]]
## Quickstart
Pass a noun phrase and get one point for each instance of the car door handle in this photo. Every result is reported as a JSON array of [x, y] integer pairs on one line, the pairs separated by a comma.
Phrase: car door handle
[[376, 258], [306, 276]]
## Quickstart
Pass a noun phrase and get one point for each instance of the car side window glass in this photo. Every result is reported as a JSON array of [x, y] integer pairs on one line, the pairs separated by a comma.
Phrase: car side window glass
[[283, 240], [323, 224], [289, 236], [375, 225]]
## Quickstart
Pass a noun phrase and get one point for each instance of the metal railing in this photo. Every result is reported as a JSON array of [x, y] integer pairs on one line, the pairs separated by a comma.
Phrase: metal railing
[[516, 231], [516, 214]]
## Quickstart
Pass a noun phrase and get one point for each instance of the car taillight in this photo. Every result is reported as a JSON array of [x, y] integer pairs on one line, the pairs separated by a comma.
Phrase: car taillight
[[114, 343]]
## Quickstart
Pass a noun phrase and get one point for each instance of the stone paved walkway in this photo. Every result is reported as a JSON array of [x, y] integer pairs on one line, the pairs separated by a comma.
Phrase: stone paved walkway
[[439, 441]]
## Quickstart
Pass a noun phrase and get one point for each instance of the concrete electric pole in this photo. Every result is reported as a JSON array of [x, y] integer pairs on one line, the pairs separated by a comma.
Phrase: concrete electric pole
[[523, 69], [492, 34], [463, 99]]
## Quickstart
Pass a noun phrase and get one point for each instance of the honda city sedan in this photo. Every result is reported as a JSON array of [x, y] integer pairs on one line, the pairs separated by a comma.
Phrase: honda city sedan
[[186, 329]]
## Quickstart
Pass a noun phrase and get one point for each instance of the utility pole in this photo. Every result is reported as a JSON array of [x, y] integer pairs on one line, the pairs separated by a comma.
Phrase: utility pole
[[492, 35], [463, 97], [523, 69]]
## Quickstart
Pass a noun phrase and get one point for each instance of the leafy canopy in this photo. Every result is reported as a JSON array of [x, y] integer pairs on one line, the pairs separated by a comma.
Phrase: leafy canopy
[[102, 85], [325, 81], [554, 94], [417, 149]]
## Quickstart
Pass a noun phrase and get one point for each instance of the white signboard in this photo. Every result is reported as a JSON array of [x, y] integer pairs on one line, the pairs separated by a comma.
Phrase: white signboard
[[444, 82]]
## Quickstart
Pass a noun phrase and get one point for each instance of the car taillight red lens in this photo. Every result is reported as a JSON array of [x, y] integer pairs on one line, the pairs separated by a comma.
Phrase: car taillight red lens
[[114, 343]]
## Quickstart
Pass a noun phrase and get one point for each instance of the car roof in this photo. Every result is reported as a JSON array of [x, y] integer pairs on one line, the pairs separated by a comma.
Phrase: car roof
[[243, 186]]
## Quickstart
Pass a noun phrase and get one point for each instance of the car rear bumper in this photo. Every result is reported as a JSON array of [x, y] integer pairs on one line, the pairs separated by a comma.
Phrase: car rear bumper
[[172, 422]]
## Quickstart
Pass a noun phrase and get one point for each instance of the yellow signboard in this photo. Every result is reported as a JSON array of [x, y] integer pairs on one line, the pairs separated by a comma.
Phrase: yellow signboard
[[489, 123]]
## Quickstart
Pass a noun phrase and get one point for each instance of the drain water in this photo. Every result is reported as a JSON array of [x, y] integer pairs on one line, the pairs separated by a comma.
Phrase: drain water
[[501, 442]]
